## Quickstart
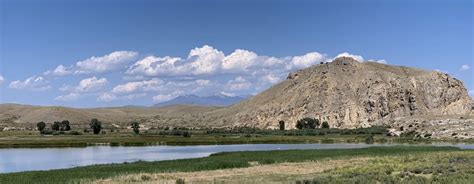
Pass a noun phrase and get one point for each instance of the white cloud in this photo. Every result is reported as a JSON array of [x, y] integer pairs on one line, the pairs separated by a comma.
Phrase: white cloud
[[67, 98], [465, 67], [356, 57], [105, 63], [239, 60], [1, 79], [106, 97], [308, 60], [238, 84], [113, 61], [148, 85], [270, 78], [471, 92], [228, 94], [91, 84], [59, 71], [162, 98], [35, 83]]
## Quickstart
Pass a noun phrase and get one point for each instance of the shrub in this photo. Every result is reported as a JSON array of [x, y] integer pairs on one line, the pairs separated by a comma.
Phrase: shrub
[[96, 126], [307, 123], [55, 126], [46, 132], [75, 133], [369, 139], [41, 125], [325, 124], [64, 125], [136, 127], [282, 125], [186, 134]]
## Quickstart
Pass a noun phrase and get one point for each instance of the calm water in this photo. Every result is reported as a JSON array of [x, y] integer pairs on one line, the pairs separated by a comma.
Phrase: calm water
[[29, 159]]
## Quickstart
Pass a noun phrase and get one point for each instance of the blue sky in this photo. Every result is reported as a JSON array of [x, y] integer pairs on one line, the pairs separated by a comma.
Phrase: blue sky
[[110, 53]]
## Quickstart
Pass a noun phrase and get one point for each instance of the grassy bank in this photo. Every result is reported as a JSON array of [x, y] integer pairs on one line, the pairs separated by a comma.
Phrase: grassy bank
[[214, 162], [202, 137]]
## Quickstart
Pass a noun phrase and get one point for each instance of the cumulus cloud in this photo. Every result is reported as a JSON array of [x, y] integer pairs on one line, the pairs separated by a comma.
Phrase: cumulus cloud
[[308, 59], [360, 58], [91, 84], [59, 71], [106, 97], [35, 83], [207, 60], [465, 67], [68, 98], [356, 57], [105, 63], [130, 87], [1, 79], [95, 64], [238, 84]]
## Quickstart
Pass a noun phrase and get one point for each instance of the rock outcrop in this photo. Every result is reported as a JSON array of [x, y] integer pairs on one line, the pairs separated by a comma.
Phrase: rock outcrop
[[350, 94]]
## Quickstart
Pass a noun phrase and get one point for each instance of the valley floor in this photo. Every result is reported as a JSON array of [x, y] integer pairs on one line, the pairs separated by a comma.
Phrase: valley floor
[[396, 164]]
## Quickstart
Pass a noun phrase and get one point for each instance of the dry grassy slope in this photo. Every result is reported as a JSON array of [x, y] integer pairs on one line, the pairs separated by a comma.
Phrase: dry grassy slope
[[350, 94], [27, 116]]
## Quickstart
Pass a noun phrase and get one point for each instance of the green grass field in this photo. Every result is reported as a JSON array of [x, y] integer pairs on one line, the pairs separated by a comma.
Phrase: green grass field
[[222, 161]]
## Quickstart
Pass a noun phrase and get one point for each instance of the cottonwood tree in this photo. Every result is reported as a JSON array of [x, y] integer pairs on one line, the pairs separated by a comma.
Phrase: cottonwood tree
[[96, 126], [136, 127], [282, 125], [40, 125]]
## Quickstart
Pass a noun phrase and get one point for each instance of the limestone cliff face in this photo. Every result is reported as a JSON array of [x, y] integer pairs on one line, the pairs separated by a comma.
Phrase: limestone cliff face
[[350, 94]]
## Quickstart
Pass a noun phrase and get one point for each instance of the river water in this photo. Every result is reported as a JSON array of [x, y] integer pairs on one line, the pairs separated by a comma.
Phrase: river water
[[29, 159]]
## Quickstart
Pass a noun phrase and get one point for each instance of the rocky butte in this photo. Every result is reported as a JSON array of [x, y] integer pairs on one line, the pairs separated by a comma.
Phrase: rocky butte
[[349, 94]]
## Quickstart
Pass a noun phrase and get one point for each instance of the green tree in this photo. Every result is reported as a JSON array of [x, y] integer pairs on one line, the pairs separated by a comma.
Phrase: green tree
[[64, 126], [96, 126], [40, 125], [300, 124], [325, 124], [55, 126], [307, 123], [282, 125], [136, 127]]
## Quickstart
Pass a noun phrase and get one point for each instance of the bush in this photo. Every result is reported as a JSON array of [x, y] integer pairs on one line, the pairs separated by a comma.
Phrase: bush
[[370, 139], [96, 126], [75, 133], [136, 127], [64, 125], [41, 125], [186, 134], [55, 126], [282, 125], [325, 124], [307, 123], [46, 132]]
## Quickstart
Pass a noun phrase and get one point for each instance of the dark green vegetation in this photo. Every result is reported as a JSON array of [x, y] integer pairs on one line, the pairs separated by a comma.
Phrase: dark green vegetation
[[307, 123], [96, 126], [182, 136], [136, 127], [215, 162]]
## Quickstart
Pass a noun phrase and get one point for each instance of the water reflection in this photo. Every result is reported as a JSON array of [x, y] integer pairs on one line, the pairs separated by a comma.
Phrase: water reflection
[[28, 159]]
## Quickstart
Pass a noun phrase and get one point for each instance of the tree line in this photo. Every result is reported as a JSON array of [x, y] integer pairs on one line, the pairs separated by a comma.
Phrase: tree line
[[306, 123]]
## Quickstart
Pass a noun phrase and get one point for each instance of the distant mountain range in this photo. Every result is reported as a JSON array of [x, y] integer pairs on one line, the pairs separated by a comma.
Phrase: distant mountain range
[[213, 100]]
